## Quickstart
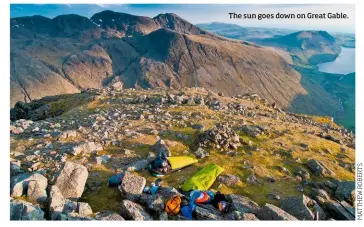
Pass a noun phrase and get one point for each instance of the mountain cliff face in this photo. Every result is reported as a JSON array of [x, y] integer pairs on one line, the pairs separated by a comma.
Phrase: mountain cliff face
[[69, 53]]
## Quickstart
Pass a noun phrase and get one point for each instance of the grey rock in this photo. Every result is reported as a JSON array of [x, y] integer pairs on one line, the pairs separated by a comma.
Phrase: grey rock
[[271, 212], [161, 146], [298, 206], [243, 204], [86, 147], [205, 214], [317, 168], [137, 166], [229, 180], [36, 191], [132, 186], [201, 153], [56, 202], [108, 216], [134, 211], [71, 180], [339, 212], [152, 202], [84, 209], [22, 210], [19, 183], [346, 191]]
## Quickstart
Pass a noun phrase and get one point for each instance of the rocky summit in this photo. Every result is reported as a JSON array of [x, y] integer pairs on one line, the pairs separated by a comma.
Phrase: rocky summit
[[277, 165]]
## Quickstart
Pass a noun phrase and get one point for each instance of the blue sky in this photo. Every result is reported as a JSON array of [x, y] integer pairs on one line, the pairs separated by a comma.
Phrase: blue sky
[[199, 13]]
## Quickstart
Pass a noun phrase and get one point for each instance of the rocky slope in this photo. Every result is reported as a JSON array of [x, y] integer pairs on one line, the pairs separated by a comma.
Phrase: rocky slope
[[70, 53], [278, 165]]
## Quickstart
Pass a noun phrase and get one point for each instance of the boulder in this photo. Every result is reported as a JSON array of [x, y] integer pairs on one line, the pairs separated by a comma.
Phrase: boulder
[[37, 192], [161, 146], [56, 203], [237, 215], [346, 191], [201, 153], [108, 216], [134, 211], [86, 147], [152, 202], [132, 186], [71, 180], [229, 180], [205, 214], [137, 166], [271, 212], [22, 210], [339, 211], [102, 159], [83, 209], [167, 192], [67, 134], [19, 185], [243, 204], [298, 206], [318, 168]]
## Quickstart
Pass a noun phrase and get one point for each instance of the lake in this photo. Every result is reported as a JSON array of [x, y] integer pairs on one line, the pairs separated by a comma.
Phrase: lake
[[343, 64]]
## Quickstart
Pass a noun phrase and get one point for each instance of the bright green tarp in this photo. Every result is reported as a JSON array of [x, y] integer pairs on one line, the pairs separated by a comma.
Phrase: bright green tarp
[[203, 179], [179, 162]]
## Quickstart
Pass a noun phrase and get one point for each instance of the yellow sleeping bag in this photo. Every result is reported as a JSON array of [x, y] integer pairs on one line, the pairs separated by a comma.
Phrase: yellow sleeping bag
[[203, 179], [179, 162]]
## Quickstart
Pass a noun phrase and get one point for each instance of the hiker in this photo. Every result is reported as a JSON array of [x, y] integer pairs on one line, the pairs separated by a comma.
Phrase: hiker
[[160, 164]]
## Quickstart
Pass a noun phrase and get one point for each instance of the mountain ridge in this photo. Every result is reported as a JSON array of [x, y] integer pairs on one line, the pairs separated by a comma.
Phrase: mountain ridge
[[164, 51]]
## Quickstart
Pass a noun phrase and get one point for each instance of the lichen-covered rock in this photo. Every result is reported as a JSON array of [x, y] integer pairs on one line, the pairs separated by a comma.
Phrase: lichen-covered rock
[[71, 180]]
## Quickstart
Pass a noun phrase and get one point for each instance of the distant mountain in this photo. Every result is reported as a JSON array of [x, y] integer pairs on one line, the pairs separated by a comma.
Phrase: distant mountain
[[243, 33], [307, 47], [70, 53]]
